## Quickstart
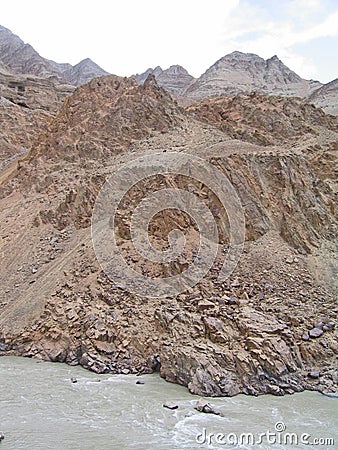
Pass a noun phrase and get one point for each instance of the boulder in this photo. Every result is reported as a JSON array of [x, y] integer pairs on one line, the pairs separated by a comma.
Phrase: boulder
[[170, 405], [205, 407]]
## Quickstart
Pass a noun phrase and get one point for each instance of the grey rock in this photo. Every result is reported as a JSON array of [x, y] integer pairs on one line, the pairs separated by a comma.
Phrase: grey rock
[[205, 407], [315, 332], [170, 405], [233, 300]]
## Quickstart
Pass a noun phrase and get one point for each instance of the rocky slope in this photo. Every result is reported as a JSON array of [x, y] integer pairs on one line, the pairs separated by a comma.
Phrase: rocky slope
[[269, 328], [326, 97], [106, 115], [263, 119], [22, 58]]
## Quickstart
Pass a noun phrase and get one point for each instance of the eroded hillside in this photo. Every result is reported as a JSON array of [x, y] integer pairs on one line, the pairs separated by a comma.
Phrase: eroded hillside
[[269, 328]]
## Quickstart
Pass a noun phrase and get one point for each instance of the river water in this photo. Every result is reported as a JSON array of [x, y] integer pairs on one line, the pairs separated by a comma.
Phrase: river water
[[40, 408]]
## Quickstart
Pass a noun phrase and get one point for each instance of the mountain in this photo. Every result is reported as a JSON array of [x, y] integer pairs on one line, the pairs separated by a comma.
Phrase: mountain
[[81, 73], [32, 90], [21, 58], [141, 78], [268, 328], [246, 72], [175, 79], [326, 97]]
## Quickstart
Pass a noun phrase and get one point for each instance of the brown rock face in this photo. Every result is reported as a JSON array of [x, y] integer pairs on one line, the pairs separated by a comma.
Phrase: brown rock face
[[104, 116], [251, 333], [264, 119]]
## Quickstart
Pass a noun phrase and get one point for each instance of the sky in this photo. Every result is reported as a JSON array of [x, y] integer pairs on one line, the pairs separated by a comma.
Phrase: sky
[[127, 37]]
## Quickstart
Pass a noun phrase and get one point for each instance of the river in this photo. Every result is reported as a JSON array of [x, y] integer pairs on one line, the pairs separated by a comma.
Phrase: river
[[40, 408]]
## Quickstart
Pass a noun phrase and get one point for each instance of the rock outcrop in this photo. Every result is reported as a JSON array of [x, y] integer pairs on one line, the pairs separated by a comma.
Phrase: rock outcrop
[[104, 116], [264, 119]]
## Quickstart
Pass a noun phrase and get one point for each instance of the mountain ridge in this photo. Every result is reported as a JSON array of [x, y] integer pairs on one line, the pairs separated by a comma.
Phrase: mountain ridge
[[232, 74], [22, 58], [242, 73]]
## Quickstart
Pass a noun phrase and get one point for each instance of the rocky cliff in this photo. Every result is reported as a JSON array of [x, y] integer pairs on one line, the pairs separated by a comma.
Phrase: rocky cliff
[[104, 116], [27, 104], [269, 328]]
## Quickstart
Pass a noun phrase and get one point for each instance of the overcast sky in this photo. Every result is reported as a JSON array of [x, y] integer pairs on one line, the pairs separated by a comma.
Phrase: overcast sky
[[126, 37]]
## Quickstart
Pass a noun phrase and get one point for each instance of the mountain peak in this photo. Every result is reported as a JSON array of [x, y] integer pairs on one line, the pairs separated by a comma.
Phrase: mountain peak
[[240, 72], [22, 58], [175, 79], [176, 69], [241, 56]]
